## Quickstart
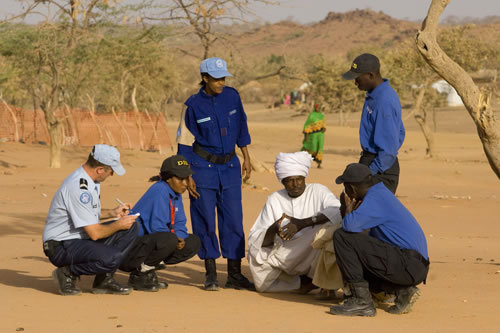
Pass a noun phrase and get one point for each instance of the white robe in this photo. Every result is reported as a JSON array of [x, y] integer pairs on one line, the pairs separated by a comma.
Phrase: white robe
[[278, 268]]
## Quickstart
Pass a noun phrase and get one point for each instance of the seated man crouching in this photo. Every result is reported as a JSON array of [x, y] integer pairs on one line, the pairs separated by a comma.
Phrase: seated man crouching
[[280, 255]]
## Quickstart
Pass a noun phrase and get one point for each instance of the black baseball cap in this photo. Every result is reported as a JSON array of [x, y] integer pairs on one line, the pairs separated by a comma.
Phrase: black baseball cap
[[365, 63], [176, 165], [354, 173]]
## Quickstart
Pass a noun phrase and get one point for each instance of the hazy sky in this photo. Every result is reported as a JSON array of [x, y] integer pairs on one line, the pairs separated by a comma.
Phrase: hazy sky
[[306, 11]]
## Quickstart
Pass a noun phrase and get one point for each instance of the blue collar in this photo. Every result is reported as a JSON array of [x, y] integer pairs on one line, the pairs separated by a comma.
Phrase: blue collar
[[378, 89], [171, 192]]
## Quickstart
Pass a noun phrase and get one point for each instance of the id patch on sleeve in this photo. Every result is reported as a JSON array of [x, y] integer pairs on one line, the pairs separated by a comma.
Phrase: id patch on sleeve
[[85, 198]]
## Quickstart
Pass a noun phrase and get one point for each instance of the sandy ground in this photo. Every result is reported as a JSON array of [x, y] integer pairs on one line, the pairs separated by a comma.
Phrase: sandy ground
[[454, 197]]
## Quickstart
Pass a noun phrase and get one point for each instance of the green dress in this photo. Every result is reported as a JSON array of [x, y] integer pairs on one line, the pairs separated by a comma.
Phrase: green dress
[[314, 128]]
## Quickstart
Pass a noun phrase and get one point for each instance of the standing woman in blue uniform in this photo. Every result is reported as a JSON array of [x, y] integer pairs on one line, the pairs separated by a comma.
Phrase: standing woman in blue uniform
[[381, 131], [214, 123]]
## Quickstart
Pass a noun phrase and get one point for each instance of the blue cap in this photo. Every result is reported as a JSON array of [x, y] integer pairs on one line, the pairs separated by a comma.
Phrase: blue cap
[[109, 156], [215, 67]]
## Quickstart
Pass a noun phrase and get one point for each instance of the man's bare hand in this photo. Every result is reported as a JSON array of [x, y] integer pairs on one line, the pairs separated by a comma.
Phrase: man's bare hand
[[122, 210], [192, 188], [126, 222], [246, 169], [351, 204], [288, 231], [180, 243]]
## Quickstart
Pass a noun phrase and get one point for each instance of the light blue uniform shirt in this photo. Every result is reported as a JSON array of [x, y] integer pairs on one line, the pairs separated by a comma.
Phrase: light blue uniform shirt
[[73, 207], [381, 131]]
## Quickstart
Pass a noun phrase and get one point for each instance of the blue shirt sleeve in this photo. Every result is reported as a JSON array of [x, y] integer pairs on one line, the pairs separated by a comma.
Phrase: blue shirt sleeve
[[360, 219], [386, 139], [180, 219], [190, 120], [244, 136], [157, 217]]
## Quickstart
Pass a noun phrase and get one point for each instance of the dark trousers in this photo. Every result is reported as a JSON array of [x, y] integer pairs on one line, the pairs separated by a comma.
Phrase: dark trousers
[[227, 202], [389, 177], [385, 267], [157, 247], [88, 257]]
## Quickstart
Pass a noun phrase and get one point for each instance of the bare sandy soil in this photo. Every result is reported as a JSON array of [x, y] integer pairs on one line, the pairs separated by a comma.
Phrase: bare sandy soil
[[455, 197]]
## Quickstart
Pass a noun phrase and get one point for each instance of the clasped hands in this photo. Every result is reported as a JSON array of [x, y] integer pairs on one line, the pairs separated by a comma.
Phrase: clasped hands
[[288, 231]]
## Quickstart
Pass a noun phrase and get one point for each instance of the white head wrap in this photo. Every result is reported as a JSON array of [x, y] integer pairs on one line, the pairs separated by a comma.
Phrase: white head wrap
[[292, 164]]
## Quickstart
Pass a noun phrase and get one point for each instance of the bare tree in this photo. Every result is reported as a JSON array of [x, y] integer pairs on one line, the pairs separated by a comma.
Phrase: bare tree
[[201, 16], [476, 100]]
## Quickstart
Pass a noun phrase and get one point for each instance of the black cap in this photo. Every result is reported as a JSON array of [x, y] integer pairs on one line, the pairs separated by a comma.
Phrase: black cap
[[354, 173], [176, 165], [365, 63]]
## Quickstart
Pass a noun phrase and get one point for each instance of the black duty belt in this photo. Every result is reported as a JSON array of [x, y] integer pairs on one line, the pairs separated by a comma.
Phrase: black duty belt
[[212, 158], [416, 255]]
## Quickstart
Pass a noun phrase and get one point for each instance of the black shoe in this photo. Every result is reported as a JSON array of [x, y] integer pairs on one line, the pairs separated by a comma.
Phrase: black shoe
[[106, 284], [211, 283], [405, 298], [235, 279], [66, 281], [360, 304], [143, 281]]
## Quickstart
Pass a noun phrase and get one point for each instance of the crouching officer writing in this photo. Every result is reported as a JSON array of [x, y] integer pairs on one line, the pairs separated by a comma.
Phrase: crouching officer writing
[[73, 239]]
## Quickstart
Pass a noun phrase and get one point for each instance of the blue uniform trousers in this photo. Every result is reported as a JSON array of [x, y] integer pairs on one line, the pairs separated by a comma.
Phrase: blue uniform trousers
[[88, 257], [230, 222]]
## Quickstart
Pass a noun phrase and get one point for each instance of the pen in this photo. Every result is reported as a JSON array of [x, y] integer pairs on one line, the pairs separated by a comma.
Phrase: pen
[[119, 201]]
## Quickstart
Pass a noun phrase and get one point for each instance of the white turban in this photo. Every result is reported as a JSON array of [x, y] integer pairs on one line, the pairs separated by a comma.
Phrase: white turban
[[292, 164]]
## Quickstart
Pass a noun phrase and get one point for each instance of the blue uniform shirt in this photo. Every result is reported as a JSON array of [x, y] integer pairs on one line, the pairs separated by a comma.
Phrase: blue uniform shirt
[[218, 123], [154, 207], [381, 130], [388, 220]]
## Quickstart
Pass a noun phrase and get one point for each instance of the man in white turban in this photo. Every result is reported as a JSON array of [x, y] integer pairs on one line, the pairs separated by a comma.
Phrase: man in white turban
[[280, 254]]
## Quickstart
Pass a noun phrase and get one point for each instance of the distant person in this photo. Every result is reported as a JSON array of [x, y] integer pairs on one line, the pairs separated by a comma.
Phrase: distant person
[[75, 241], [163, 237], [314, 134], [381, 131], [380, 247], [212, 124], [280, 254]]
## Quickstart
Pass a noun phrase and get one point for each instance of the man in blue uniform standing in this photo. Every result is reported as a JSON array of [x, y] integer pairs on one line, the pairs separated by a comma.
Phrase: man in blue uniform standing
[[392, 257], [212, 124], [381, 131], [75, 241]]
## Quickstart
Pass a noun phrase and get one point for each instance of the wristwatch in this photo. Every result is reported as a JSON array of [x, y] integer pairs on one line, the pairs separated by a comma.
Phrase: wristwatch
[[314, 219]]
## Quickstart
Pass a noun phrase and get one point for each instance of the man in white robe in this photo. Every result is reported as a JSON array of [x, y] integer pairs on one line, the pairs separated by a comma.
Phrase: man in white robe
[[279, 243]]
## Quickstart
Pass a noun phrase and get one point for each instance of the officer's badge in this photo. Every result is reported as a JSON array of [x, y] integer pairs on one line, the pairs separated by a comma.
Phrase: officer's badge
[[83, 184], [85, 198], [219, 63]]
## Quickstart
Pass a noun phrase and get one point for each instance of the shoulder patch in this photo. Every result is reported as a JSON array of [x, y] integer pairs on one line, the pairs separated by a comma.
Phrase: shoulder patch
[[84, 184], [85, 198]]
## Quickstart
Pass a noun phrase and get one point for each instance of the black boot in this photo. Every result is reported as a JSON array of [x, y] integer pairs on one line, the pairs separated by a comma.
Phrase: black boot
[[106, 284], [66, 281], [405, 298], [143, 281], [211, 283], [235, 279], [360, 304]]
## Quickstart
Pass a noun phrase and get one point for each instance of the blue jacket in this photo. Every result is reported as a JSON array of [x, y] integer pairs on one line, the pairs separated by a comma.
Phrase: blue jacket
[[154, 207], [388, 220], [218, 124], [381, 130]]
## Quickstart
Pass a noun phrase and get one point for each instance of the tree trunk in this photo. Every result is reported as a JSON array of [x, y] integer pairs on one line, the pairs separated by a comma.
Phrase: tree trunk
[[138, 119], [14, 120], [54, 127], [476, 101], [421, 118], [124, 130]]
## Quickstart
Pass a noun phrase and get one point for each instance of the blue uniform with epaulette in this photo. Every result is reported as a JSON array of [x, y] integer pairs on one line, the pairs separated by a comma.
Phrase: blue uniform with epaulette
[[76, 205], [218, 124]]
